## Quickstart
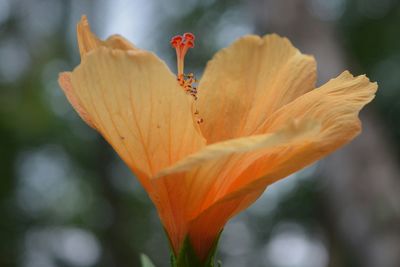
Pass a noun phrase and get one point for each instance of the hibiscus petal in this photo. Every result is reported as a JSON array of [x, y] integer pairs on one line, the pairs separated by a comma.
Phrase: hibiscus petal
[[194, 183], [219, 183], [336, 105], [214, 218], [117, 41], [135, 102], [246, 82], [87, 40], [65, 82]]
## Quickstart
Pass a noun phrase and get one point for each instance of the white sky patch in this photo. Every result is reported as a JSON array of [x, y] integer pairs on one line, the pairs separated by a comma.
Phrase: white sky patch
[[230, 28], [5, 10], [44, 247], [131, 19], [46, 183], [15, 60], [269, 201], [291, 246]]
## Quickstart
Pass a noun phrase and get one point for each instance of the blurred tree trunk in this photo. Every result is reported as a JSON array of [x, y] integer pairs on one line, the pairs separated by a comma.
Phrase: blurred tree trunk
[[363, 204]]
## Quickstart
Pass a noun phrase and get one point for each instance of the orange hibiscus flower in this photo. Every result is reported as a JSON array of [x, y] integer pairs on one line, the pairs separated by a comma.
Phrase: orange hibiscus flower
[[205, 154]]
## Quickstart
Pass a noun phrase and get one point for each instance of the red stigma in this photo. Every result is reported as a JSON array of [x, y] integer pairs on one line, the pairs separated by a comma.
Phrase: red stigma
[[189, 36], [189, 43], [176, 41], [183, 42]]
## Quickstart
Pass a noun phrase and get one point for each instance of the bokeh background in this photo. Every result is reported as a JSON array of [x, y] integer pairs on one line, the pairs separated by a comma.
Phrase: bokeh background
[[66, 199]]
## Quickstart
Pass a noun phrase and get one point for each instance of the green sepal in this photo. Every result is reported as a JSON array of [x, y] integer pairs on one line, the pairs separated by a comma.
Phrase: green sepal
[[145, 261], [188, 258]]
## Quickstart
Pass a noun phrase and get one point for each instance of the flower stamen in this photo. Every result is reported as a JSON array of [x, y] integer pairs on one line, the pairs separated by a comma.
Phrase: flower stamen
[[182, 44]]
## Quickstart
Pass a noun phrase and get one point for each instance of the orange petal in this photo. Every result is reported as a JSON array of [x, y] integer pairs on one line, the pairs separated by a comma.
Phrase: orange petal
[[136, 103], [226, 177], [246, 82], [197, 181], [209, 172], [65, 82], [117, 41], [206, 227], [87, 40], [335, 105]]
